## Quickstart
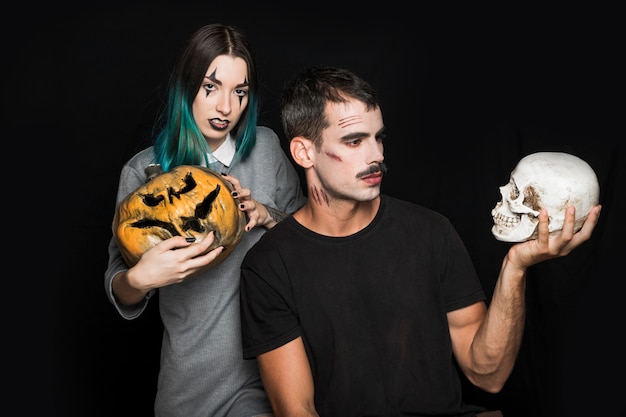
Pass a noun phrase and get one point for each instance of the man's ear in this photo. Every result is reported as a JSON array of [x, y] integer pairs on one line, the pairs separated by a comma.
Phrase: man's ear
[[301, 151]]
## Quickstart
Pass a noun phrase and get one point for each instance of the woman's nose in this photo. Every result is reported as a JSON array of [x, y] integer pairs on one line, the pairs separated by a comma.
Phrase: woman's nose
[[223, 104]]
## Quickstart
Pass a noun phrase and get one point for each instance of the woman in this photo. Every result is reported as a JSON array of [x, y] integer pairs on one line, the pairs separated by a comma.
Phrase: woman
[[209, 120]]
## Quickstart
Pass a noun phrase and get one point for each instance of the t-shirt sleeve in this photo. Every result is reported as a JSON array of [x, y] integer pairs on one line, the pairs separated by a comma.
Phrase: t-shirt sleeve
[[268, 317], [461, 284]]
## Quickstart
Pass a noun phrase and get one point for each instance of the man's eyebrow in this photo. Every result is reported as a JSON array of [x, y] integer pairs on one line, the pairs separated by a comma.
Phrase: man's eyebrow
[[354, 135], [357, 135]]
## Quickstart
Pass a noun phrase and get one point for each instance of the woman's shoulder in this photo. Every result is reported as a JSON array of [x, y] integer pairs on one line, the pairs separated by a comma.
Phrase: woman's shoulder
[[268, 144], [142, 159], [266, 134]]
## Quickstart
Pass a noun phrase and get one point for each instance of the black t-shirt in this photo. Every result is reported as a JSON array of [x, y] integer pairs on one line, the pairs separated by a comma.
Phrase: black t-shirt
[[370, 307]]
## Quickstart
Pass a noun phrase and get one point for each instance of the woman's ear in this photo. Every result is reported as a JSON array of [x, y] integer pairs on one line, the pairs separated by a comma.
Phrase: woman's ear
[[300, 151]]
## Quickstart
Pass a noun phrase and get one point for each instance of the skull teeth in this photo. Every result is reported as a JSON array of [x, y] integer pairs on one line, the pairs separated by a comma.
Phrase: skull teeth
[[506, 221]]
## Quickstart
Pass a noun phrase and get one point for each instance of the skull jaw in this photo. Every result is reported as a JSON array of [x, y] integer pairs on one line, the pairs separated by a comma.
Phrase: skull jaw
[[521, 231], [514, 236]]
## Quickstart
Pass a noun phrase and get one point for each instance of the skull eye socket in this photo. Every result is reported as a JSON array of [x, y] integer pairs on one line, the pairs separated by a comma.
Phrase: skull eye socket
[[532, 199]]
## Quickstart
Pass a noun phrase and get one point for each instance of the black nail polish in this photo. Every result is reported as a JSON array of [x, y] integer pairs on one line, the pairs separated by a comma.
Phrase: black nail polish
[[190, 239]]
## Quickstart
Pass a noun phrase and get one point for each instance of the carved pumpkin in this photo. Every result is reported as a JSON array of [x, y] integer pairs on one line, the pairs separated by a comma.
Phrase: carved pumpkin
[[187, 201]]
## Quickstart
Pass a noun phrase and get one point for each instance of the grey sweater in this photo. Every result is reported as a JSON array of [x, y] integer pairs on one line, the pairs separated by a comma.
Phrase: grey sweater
[[202, 371]]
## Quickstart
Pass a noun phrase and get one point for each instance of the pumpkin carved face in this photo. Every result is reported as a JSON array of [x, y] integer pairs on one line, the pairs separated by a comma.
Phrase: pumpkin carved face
[[187, 201]]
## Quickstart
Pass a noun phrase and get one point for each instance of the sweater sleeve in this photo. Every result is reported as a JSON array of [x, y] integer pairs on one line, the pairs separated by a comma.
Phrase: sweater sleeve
[[287, 195], [131, 178]]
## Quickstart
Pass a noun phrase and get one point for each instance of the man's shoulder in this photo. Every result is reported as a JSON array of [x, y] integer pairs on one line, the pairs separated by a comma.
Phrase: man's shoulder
[[397, 204], [274, 238], [414, 216], [282, 230]]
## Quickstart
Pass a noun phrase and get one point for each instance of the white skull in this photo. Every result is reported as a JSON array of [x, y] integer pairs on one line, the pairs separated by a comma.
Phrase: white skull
[[551, 180]]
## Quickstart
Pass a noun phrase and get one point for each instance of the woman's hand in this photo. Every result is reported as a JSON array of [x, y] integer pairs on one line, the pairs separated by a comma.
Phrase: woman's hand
[[257, 213], [168, 262]]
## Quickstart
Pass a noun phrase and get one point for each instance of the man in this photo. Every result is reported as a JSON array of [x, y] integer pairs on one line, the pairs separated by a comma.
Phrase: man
[[365, 305]]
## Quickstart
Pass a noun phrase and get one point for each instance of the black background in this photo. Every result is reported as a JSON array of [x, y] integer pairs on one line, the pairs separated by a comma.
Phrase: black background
[[466, 92]]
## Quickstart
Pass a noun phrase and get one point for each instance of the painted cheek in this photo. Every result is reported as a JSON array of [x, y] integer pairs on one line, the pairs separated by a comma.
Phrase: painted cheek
[[334, 157]]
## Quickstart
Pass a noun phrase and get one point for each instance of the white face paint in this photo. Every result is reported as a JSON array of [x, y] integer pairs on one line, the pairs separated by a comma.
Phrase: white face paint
[[551, 180]]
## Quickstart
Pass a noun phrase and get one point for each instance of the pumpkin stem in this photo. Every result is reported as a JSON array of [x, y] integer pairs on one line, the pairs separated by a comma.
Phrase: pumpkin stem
[[152, 171]]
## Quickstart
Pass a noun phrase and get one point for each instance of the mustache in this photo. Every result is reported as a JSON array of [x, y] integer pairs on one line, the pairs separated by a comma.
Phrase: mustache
[[382, 168]]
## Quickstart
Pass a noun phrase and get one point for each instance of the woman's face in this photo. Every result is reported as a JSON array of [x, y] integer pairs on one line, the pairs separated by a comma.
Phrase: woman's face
[[222, 98]]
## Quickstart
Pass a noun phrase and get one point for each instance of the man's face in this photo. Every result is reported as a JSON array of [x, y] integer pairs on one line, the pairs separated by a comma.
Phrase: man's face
[[348, 162]]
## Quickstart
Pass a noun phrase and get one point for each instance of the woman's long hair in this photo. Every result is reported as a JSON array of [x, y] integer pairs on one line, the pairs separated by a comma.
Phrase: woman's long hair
[[180, 141]]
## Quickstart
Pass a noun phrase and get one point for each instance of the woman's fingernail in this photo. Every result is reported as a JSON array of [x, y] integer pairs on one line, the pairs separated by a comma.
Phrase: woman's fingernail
[[190, 239], [235, 193]]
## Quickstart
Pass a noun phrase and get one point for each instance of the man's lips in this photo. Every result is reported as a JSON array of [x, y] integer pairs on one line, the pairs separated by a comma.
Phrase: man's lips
[[373, 175], [373, 179], [374, 171]]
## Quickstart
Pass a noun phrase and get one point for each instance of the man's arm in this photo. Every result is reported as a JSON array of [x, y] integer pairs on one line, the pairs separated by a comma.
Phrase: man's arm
[[485, 341], [287, 378]]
